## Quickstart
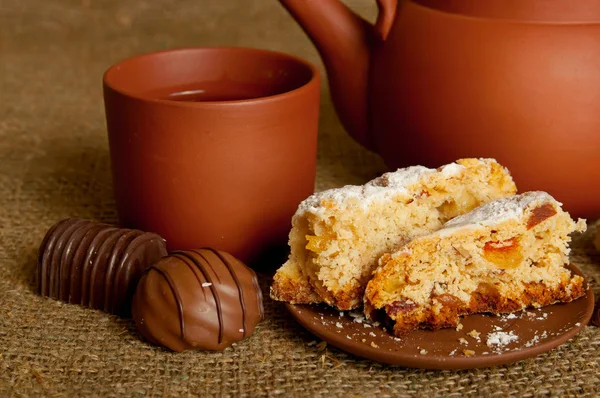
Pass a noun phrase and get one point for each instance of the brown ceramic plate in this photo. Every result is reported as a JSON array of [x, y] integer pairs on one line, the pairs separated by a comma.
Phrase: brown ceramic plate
[[536, 331]]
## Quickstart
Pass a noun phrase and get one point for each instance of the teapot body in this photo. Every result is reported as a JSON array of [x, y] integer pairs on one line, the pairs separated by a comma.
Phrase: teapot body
[[445, 85]]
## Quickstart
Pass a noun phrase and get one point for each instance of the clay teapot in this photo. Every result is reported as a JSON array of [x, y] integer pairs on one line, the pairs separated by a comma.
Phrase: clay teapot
[[436, 80]]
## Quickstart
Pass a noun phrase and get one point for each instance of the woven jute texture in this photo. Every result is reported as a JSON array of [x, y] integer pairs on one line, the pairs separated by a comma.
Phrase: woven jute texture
[[54, 163]]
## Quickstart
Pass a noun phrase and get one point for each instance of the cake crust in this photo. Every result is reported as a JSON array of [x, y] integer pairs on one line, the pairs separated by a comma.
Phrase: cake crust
[[291, 286]]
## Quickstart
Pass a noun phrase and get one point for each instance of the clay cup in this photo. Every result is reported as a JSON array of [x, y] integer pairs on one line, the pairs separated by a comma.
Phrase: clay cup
[[213, 147]]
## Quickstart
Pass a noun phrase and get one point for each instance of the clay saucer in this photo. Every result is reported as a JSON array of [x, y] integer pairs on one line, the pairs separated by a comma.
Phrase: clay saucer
[[500, 339]]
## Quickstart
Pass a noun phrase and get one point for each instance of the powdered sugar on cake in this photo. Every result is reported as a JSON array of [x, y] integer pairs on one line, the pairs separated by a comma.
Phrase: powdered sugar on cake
[[452, 169], [381, 188], [492, 213]]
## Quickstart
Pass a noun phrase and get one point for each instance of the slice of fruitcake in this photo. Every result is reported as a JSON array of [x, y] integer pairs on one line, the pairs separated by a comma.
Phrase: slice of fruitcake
[[338, 235], [504, 256]]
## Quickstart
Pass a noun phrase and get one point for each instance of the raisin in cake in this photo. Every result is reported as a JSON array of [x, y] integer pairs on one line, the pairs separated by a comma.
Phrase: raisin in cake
[[338, 235], [502, 257]]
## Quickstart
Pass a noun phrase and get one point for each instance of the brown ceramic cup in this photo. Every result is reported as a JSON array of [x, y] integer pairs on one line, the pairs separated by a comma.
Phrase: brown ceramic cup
[[213, 147]]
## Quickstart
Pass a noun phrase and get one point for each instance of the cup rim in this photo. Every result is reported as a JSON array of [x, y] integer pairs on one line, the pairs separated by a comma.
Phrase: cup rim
[[314, 79]]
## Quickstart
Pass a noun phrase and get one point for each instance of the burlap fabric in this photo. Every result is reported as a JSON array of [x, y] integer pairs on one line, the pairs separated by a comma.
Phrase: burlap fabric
[[54, 163]]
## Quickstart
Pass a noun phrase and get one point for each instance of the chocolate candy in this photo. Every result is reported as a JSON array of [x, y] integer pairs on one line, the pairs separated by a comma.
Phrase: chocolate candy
[[95, 265], [197, 299]]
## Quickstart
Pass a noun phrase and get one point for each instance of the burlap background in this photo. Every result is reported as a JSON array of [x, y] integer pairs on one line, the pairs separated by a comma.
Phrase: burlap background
[[54, 164]]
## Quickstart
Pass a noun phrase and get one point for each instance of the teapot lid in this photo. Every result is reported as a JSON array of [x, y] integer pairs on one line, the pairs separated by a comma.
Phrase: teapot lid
[[566, 11]]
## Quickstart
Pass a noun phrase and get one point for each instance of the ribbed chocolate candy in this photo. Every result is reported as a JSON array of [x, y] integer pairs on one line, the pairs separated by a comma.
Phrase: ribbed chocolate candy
[[95, 265], [197, 299]]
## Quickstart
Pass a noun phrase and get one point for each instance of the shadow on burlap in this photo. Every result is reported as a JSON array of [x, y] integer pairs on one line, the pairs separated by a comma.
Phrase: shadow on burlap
[[54, 163]]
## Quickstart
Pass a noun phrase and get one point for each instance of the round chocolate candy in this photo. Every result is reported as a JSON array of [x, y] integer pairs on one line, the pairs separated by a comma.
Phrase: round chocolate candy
[[197, 299], [95, 265]]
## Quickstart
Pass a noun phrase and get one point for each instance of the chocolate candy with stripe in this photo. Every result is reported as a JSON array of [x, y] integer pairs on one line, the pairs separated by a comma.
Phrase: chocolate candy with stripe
[[197, 299], [95, 265]]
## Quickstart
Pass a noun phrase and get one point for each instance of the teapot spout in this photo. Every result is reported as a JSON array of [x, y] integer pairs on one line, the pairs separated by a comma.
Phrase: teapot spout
[[344, 42]]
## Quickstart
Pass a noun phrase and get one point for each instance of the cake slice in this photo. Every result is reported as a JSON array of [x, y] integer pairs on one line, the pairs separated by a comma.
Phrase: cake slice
[[338, 235], [502, 257]]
